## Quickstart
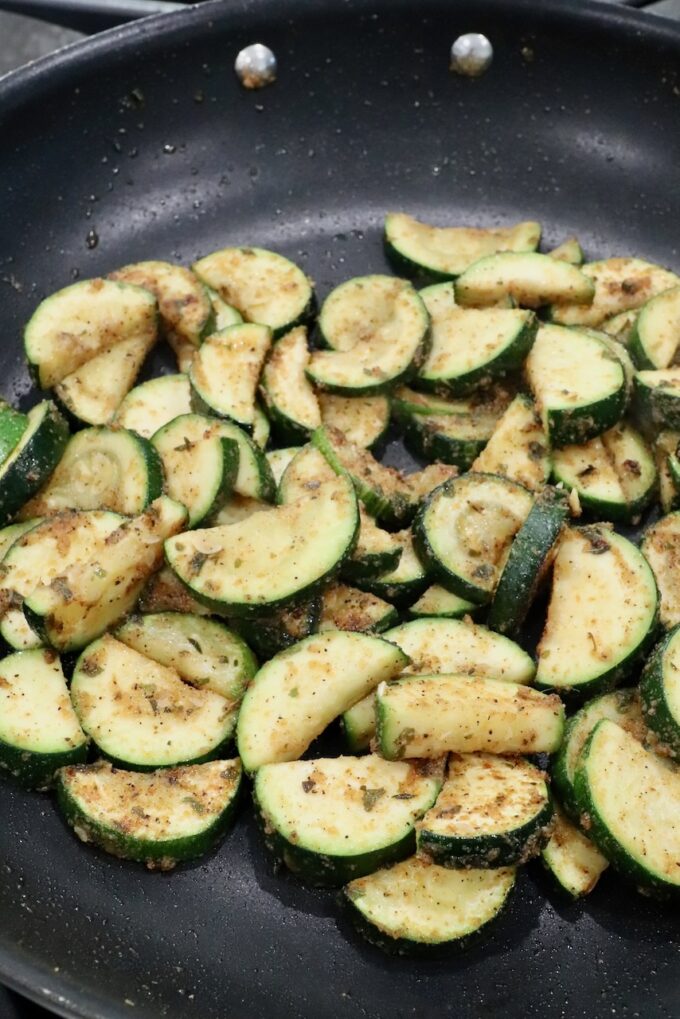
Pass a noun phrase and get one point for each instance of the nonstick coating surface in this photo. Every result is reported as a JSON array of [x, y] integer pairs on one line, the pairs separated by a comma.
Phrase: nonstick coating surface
[[144, 137]]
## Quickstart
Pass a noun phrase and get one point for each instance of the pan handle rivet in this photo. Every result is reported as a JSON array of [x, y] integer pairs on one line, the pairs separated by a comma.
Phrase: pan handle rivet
[[255, 66], [471, 54]]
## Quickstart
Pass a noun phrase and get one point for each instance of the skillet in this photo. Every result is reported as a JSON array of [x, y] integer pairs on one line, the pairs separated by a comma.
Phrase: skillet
[[140, 143]]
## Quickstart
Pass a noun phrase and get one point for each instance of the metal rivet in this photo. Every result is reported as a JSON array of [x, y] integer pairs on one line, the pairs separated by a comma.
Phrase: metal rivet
[[471, 54], [256, 66]]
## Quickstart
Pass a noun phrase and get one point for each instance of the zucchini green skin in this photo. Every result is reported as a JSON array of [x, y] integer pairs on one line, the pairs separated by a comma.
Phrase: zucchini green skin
[[651, 406], [400, 594], [404, 266], [657, 710], [605, 509], [371, 566], [148, 851], [529, 555], [576, 425], [37, 771], [269, 634], [504, 849], [12, 427], [223, 749], [24, 474], [431, 445]]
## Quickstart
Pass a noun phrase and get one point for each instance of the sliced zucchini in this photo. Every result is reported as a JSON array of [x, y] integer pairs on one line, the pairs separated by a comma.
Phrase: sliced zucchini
[[164, 592], [290, 398], [12, 533], [453, 431], [158, 819], [301, 690], [202, 651], [225, 372], [16, 633], [426, 716], [655, 337], [665, 452], [578, 385], [305, 474], [183, 301], [278, 460], [660, 692], [620, 706], [12, 426], [363, 420], [530, 279], [199, 464], [629, 800], [261, 428], [418, 908], [492, 812], [33, 459], [661, 548], [615, 474], [185, 353], [346, 608], [77, 323], [39, 730], [620, 326], [446, 252], [331, 820], [376, 552], [272, 558], [529, 560], [272, 633], [94, 392], [225, 314], [437, 601], [421, 483], [464, 530], [406, 581], [471, 347], [621, 284], [141, 714], [101, 469], [358, 724], [572, 859], [518, 447], [155, 403], [656, 398], [602, 612], [568, 251], [263, 286], [92, 593], [378, 330], [237, 508], [254, 479]]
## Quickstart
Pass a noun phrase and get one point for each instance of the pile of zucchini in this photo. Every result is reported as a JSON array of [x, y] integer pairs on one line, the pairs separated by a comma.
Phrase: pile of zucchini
[[204, 573]]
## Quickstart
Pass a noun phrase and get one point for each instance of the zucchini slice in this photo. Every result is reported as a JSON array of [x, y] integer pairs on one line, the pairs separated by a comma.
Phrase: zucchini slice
[[155, 403], [621, 284], [665, 453], [530, 557], [183, 301], [290, 399], [261, 428], [225, 314], [158, 819], [101, 469], [578, 385], [358, 724], [272, 633], [530, 279], [572, 859], [378, 330], [301, 690], [331, 820], [656, 398], [615, 474], [39, 730], [376, 552], [629, 800], [12, 533], [16, 633], [492, 812], [568, 251], [426, 716], [406, 581], [278, 460], [418, 908], [421, 483], [518, 447], [452, 431], [471, 347], [661, 548], [202, 651], [271, 558], [620, 327], [660, 692], [263, 286], [306, 473], [94, 392], [225, 372], [363, 420], [164, 592], [602, 613], [437, 601], [346, 608], [83, 320], [237, 508], [12, 427], [33, 459], [464, 530], [655, 337], [93, 592], [446, 252], [620, 706], [199, 464], [141, 714]]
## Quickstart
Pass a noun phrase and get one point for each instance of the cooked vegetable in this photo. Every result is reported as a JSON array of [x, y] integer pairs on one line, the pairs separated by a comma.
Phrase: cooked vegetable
[[12, 427], [278, 460], [572, 859], [665, 453], [225, 372], [155, 403], [290, 398], [656, 397], [518, 447], [376, 552], [271, 633], [530, 279], [568, 251], [33, 459], [363, 420], [655, 337], [660, 692], [661, 548], [406, 581], [437, 601], [621, 284], [183, 301], [346, 608]]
